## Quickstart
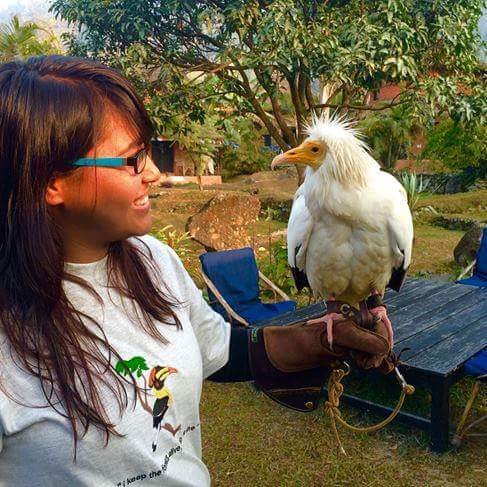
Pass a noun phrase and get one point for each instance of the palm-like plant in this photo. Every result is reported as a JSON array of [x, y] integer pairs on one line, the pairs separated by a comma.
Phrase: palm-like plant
[[389, 135], [23, 39]]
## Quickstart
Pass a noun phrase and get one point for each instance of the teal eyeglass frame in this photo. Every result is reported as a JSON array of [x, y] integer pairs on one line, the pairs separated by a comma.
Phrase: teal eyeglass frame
[[115, 161]]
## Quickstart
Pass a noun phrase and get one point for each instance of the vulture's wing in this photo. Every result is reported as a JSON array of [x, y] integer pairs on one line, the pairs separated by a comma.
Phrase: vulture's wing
[[400, 226], [299, 229]]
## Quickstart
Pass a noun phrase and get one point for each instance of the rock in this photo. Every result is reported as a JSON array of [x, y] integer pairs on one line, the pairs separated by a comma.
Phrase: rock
[[478, 185], [466, 249], [462, 224], [279, 233], [454, 185], [166, 184], [223, 222]]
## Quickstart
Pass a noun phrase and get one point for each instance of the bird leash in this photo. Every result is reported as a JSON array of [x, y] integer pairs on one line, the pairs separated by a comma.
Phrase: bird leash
[[335, 390]]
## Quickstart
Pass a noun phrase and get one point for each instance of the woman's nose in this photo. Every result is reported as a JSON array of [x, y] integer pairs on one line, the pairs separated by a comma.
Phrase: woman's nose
[[151, 173]]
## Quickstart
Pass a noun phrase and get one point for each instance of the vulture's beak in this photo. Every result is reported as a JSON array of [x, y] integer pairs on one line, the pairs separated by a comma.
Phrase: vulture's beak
[[310, 152], [171, 370]]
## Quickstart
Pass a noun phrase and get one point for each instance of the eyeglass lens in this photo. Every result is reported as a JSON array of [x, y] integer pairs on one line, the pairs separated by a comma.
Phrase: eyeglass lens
[[140, 162]]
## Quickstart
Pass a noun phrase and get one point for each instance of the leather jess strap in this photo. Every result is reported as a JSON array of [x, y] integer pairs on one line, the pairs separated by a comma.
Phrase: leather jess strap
[[361, 316]]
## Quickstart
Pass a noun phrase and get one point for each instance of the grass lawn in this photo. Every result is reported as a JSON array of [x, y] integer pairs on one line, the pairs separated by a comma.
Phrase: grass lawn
[[248, 440]]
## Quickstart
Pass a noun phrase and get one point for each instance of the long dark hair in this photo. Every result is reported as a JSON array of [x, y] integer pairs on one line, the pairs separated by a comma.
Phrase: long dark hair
[[52, 112]]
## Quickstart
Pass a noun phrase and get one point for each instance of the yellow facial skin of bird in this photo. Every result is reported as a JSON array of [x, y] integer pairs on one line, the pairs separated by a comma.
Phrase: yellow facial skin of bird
[[310, 152]]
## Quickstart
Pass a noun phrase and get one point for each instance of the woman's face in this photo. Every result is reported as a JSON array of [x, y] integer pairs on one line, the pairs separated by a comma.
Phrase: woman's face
[[100, 205]]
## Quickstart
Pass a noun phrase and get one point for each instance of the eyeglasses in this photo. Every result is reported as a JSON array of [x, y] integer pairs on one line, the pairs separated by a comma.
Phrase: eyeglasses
[[138, 161]]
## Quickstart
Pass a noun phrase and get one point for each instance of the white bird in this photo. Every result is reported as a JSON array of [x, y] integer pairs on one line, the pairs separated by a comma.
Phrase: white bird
[[350, 231]]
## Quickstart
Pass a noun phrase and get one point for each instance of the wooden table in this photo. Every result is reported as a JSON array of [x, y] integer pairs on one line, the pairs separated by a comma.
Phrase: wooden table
[[443, 324]]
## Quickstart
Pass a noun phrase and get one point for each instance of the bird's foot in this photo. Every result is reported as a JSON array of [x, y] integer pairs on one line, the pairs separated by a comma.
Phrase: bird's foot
[[154, 446], [328, 319], [380, 312]]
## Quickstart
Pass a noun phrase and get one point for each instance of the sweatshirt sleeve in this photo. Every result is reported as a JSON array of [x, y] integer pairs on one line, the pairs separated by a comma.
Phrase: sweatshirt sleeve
[[211, 330]]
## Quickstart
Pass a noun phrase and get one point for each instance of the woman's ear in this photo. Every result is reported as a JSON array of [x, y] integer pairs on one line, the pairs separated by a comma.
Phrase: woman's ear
[[55, 192]]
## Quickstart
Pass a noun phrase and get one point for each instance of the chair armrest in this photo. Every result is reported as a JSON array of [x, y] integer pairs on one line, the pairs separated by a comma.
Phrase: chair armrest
[[466, 270], [274, 287], [230, 312]]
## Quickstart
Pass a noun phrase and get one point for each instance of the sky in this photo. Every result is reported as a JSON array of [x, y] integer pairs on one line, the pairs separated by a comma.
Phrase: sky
[[27, 8], [38, 9], [30, 9]]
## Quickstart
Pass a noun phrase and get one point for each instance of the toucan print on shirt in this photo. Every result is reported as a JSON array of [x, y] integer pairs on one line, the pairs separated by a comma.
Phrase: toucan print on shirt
[[157, 381]]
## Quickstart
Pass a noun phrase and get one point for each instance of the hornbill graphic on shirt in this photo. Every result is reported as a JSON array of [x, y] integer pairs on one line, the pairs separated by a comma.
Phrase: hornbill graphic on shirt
[[158, 374], [157, 378]]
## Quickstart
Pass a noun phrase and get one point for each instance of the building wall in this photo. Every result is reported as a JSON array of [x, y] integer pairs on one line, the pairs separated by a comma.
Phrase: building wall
[[388, 92], [183, 165], [176, 165]]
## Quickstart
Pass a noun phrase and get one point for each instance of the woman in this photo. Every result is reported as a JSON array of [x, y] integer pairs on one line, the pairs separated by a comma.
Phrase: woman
[[104, 338]]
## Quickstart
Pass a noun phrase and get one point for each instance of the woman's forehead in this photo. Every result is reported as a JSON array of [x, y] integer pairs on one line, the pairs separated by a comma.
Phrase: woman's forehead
[[118, 135]]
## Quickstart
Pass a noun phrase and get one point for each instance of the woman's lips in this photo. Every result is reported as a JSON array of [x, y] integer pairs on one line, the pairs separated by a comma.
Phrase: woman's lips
[[142, 203]]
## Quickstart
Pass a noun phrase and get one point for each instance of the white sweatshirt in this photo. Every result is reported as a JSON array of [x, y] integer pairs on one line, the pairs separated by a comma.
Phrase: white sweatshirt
[[36, 444]]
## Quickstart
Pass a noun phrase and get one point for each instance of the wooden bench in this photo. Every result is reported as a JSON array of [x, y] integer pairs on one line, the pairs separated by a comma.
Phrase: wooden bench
[[442, 324]]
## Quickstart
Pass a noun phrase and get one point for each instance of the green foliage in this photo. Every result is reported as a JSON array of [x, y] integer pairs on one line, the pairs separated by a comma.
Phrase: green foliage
[[457, 145], [20, 40], [276, 268], [135, 364], [244, 151], [191, 57], [389, 134], [199, 139], [178, 241]]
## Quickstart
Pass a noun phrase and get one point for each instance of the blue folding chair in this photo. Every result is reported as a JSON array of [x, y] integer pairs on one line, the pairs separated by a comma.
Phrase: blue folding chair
[[477, 367], [479, 265], [232, 279]]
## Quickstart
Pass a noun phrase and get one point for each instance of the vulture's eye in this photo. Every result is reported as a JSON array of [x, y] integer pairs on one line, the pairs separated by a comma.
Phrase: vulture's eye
[[315, 149]]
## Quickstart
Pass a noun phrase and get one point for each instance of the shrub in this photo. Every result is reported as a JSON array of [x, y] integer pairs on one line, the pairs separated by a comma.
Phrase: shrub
[[178, 241], [276, 268], [244, 152]]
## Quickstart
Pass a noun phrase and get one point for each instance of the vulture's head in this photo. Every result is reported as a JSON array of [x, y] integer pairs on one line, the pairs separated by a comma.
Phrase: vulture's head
[[333, 150]]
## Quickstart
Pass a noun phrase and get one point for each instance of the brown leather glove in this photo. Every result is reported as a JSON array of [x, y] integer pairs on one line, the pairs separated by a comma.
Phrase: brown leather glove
[[291, 363]]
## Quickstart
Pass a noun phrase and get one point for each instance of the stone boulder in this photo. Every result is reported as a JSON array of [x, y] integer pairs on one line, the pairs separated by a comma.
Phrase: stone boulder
[[224, 222], [469, 244], [455, 184]]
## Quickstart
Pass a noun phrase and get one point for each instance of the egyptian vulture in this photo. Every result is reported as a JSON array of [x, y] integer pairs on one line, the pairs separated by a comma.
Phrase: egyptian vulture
[[350, 230]]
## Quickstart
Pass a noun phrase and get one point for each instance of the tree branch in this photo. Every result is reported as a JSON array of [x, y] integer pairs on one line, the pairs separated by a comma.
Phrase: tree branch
[[259, 111], [309, 95], [276, 107]]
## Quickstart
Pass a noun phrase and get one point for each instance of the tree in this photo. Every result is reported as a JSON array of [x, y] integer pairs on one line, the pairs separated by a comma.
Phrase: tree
[[247, 53], [21, 40], [244, 151], [458, 146]]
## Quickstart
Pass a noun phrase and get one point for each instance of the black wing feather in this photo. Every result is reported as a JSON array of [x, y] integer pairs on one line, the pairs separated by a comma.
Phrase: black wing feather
[[397, 279], [300, 277]]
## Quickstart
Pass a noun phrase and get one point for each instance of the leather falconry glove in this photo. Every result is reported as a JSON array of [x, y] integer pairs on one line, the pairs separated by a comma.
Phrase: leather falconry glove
[[291, 363]]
